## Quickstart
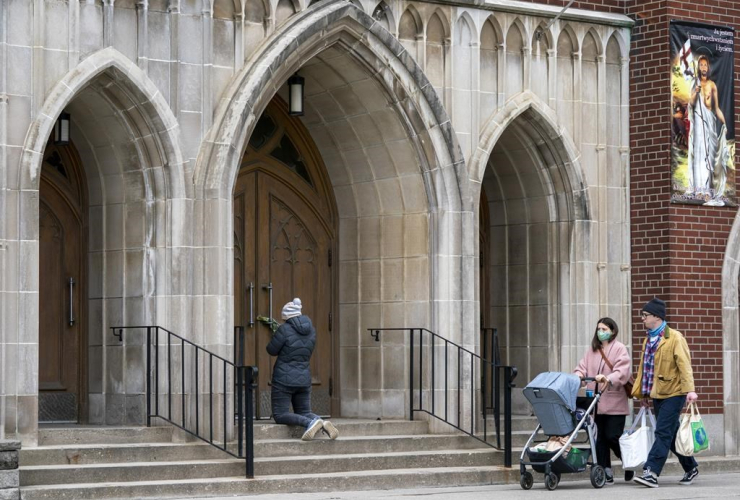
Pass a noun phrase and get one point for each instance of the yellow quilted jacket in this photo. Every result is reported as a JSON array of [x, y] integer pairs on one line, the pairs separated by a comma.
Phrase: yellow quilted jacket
[[673, 373]]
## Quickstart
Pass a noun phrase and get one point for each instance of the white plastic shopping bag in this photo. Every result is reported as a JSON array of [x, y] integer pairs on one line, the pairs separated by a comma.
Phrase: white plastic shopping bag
[[636, 442], [691, 438]]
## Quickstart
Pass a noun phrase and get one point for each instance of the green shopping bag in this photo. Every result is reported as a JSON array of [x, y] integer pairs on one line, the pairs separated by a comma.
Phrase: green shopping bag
[[692, 435]]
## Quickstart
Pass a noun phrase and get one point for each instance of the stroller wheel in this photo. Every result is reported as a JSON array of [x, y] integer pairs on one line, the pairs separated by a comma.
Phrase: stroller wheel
[[551, 481], [526, 480], [598, 476]]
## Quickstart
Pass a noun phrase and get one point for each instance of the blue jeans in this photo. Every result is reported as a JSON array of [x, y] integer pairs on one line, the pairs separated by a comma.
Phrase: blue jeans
[[299, 397], [667, 413]]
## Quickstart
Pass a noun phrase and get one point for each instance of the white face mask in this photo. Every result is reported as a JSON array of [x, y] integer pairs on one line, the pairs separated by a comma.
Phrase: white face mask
[[604, 335]]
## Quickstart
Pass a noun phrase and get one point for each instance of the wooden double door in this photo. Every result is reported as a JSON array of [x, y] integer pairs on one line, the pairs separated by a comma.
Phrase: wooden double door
[[62, 318], [283, 248]]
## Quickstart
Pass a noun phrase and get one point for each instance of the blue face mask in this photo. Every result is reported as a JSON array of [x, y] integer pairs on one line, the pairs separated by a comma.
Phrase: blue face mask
[[604, 335]]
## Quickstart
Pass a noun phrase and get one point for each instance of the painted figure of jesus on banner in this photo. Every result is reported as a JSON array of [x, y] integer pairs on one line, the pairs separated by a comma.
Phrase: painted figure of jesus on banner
[[703, 146]]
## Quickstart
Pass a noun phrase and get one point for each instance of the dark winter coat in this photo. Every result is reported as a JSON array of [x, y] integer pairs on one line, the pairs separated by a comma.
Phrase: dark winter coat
[[293, 344]]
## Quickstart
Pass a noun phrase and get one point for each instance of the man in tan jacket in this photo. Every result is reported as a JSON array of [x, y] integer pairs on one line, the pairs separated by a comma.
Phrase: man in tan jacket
[[665, 375]]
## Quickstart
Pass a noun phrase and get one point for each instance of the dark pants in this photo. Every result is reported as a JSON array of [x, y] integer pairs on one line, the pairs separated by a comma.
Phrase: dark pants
[[610, 428], [299, 397], [667, 413]]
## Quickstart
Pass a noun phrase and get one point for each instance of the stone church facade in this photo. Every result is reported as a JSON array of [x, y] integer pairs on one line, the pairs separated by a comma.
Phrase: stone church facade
[[458, 166]]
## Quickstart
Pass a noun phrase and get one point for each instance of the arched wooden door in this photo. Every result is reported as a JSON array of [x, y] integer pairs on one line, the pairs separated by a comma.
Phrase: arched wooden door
[[62, 285], [284, 238]]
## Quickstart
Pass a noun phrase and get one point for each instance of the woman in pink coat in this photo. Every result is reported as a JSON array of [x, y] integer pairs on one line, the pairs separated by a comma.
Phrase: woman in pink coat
[[609, 362]]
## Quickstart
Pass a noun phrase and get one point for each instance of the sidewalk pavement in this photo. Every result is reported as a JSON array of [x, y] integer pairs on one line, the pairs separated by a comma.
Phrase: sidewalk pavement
[[706, 486]]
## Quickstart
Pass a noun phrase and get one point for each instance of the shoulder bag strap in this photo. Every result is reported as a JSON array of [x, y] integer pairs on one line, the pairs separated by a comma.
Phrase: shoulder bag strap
[[606, 360]]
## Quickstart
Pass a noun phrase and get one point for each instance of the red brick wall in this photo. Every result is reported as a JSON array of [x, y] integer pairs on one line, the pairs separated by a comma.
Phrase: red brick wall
[[677, 250]]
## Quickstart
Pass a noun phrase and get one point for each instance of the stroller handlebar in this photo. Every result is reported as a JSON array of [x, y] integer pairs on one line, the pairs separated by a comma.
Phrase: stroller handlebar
[[592, 379]]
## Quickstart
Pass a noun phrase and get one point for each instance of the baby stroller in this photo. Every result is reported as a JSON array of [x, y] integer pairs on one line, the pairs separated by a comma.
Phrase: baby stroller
[[560, 412]]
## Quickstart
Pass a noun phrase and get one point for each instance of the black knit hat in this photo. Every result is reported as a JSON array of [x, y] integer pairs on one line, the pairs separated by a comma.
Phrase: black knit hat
[[656, 307]]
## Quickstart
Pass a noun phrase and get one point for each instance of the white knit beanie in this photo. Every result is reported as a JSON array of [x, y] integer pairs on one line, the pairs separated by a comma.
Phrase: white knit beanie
[[292, 309]]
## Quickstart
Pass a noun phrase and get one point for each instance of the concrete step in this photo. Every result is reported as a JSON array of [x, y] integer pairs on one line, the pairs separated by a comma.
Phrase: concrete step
[[265, 448], [181, 470], [79, 434], [285, 484]]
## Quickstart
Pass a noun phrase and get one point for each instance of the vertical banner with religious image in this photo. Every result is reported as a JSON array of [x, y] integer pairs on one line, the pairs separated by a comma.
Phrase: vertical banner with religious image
[[702, 105]]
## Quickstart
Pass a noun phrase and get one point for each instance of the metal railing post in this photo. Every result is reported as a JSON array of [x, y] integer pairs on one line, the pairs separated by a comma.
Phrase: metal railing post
[[239, 409], [148, 376], [509, 374], [250, 383], [411, 374]]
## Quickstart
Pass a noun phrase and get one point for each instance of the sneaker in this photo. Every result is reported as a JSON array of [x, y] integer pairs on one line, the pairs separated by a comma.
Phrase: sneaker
[[330, 429], [312, 429], [689, 477], [609, 479], [628, 475], [648, 479]]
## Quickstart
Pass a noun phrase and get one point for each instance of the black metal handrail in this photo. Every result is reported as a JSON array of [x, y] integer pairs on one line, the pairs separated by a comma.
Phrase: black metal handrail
[[455, 358], [490, 350], [245, 377]]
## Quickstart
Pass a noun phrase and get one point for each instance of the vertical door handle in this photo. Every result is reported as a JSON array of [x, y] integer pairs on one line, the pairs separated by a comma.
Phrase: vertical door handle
[[71, 283], [251, 303], [268, 287]]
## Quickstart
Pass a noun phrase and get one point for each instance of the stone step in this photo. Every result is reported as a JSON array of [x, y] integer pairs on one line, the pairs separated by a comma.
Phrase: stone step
[[518, 423], [348, 427], [328, 481], [81, 434], [307, 464], [265, 448], [285, 484]]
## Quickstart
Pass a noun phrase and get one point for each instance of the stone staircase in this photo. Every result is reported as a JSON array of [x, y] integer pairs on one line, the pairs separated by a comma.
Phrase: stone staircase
[[78, 462]]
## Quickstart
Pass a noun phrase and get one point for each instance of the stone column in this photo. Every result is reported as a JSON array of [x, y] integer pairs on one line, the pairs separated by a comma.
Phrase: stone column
[[207, 69], [142, 35], [9, 474], [108, 22], [3, 197], [577, 99], [238, 40], [73, 51], [552, 78], [501, 74], [173, 9], [603, 185]]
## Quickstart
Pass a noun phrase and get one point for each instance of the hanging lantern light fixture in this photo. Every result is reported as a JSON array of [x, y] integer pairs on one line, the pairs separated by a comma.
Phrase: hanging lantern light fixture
[[61, 129], [295, 95]]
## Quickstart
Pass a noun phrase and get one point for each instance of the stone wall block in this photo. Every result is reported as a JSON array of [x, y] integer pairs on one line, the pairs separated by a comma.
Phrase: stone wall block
[[9, 479], [9, 459]]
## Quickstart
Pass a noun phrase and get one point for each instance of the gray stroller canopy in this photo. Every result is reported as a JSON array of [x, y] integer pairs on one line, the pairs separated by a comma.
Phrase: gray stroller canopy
[[553, 399]]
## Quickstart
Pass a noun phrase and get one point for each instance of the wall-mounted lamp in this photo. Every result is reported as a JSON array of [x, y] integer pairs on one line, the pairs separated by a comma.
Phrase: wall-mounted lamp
[[295, 95], [61, 130]]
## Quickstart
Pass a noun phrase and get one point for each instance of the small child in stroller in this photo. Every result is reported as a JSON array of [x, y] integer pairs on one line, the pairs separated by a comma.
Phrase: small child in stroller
[[561, 414]]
